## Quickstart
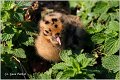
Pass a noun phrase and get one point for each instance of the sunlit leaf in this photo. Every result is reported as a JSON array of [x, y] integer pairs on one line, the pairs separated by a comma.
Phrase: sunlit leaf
[[98, 38], [19, 53], [117, 76], [111, 62], [112, 45]]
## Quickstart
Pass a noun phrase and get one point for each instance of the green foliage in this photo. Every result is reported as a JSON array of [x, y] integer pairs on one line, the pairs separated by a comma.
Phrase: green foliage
[[12, 33], [112, 46], [13, 45], [117, 76], [111, 62], [101, 21], [71, 67], [19, 53]]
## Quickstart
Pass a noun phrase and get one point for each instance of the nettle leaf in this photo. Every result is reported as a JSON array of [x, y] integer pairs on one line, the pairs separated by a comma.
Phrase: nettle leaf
[[113, 3], [114, 16], [6, 36], [91, 30], [99, 27], [95, 29], [73, 3], [60, 66], [59, 75], [111, 33], [35, 76], [64, 55], [18, 16], [67, 74], [112, 29], [46, 75], [111, 46], [111, 62], [7, 48], [113, 26], [30, 41], [19, 53], [9, 44], [80, 57], [8, 33], [101, 7], [85, 61], [98, 38], [75, 65], [90, 75], [117, 76], [5, 16], [7, 5], [23, 3], [103, 16]]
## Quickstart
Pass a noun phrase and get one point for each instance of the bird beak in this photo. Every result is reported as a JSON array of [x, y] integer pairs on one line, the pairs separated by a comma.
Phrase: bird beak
[[58, 40]]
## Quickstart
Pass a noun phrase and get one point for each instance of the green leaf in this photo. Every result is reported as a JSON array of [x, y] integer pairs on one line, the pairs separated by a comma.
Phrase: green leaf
[[103, 17], [95, 29], [47, 74], [35, 76], [101, 7], [5, 16], [19, 53], [98, 38], [114, 16], [112, 45], [18, 16], [111, 33], [113, 26], [117, 76], [80, 57], [60, 66], [23, 3], [85, 62], [9, 44], [6, 36], [91, 30], [76, 65], [21, 18], [30, 41], [67, 74], [8, 48], [99, 27], [64, 55], [73, 3], [111, 62], [59, 75], [7, 5], [113, 3]]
